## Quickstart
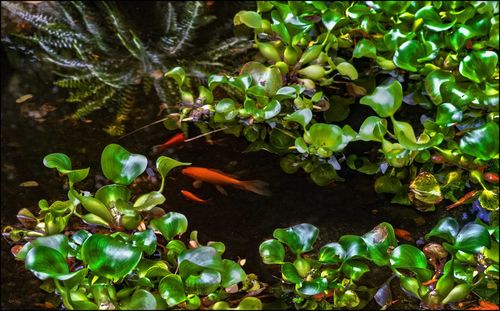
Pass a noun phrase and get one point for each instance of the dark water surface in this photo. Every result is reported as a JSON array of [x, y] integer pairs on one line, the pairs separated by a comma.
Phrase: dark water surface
[[241, 220]]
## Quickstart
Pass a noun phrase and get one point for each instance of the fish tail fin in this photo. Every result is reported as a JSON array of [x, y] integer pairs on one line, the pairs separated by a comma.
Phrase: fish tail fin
[[257, 186]]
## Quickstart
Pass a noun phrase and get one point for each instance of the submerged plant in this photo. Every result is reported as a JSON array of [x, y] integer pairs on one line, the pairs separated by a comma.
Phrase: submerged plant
[[107, 61]]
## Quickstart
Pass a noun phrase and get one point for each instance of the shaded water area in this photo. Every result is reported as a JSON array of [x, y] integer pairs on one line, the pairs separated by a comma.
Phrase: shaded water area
[[241, 220]]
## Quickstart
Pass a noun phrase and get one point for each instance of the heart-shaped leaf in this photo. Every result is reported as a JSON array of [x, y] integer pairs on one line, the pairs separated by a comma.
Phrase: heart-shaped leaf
[[331, 253], [331, 18], [409, 257], [482, 142], [59, 161], [347, 69], [204, 283], [372, 129], [171, 289], [385, 99], [197, 259], [145, 241], [433, 82], [354, 269], [121, 166], [46, 262], [314, 287], [290, 273], [148, 268], [110, 257], [233, 273], [96, 207], [59, 242], [432, 20], [472, 238], [379, 241], [170, 224], [302, 116], [268, 77], [354, 246], [447, 114], [299, 238], [109, 194], [140, 300], [148, 200], [165, 164], [461, 35], [322, 135], [272, 252], [249, 18], [479, 66], [446, 228], [408, 54], [365, 48]]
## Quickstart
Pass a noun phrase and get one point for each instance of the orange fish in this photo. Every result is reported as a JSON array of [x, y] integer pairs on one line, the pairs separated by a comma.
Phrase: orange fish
[[491, 177], [402, 234], [462, 200], [190, 196], [214, 177], [172, 142], [485, 305]]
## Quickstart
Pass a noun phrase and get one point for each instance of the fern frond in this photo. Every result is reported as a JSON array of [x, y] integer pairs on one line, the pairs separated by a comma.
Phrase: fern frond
[[126, 103], [89, 90], [98, 103], [74, 81], [38, 20]]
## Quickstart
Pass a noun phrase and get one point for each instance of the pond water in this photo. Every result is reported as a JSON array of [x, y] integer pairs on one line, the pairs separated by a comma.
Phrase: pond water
[[241, 220]]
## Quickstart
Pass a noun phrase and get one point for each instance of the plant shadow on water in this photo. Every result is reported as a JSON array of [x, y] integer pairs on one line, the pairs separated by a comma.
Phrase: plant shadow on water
[[242, 220]]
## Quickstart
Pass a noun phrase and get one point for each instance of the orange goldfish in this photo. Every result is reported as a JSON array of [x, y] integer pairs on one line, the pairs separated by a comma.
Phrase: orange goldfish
[[172, 142], [190, 196], [214, 177], [462, 200], [402, 234]]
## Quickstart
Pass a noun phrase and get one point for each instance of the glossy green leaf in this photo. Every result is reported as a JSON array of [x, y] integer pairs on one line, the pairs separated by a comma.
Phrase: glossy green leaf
[[148, 268], [290, 273], [347, 69], [379, 241], [110, 257], [140, 300], [479, 66], [97, 208], [431, 19], [331, 253], [272, 109], [385, 99], [408, 54], [144, 240], [59, 161], [204, 283], [46, 262], [272, 252], [249, 18], [354, 269], [314, 287], [109, 194], [426, 188], [328, 136], [170, 224], [392, 7], [472, 238], [460, 36], [489, 200], [365, 48], [331, 18], [372, 129], [482, 142], [58, 242], [410, 285], [446, 228], [148, 200], [447, 114], [233, 273], [171, 289], [165, 164], [121, 166], [300, 238], [349, 299], [433, 82], [409, 257], [197, 259], [302, 116], [268, 77], [354, 246], [178, 74]]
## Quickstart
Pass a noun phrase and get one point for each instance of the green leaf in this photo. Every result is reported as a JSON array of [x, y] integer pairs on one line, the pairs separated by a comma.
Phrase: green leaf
[[250, 303], [409, 257], [460, 36], [385, 99], [75, 176], [331, 253], [272, 109], [331, 18], [249, 18], [347, 69], [472, 238], [372, 129], [140, 300], [446, 228], [171, 289], [432, 20], [204, 283], [197, 259], [170, 224], [59, 161], [110, 194], [433, 82], [302, 116], [479, 66], [489, 200], [426, 188], [300, 238], [46, 262], [328, 136], [379, 241], [365, 48], [354, 246], [387, 184], [354, 269], [59, 242], [145, 241], [178, 74], [349, 299], [165, 164], [96, 207], [408, 54], [121, 166], [314, 287], [272, 252], [290, 273], [482, 142], [110, 257], [148, 200], [233, 273], [268, 77], [286, 92], [447, 114]]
